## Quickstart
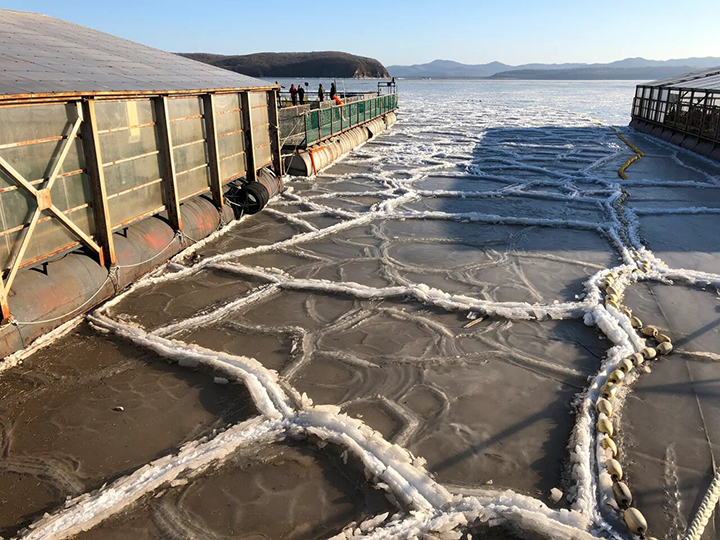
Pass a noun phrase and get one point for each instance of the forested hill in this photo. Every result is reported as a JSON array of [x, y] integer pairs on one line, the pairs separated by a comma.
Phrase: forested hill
[[307, 64]]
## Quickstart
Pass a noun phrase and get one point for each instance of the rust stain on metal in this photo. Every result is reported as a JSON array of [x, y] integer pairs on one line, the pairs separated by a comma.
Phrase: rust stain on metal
[[35, 260]]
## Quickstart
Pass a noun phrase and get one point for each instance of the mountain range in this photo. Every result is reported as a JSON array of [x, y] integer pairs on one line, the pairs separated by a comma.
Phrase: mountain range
[[629, 68]]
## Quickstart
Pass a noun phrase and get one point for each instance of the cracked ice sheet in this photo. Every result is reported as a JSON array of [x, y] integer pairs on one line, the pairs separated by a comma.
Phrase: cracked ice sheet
[[488, 261], [663, 162], [681, 240], [667, 456], [167, 302], [695, 330], [256, 230], [406, 354], [654, 197], [377, 358], [669, 461], [511, 206], [319, 491], [61, 436]]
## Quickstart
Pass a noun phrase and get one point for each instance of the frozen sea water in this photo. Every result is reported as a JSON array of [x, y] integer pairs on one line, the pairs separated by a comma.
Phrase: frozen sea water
[[358, 402]]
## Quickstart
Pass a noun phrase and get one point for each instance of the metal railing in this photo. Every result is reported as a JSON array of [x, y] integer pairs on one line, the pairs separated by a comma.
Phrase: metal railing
[[311, 126], [311, 98]]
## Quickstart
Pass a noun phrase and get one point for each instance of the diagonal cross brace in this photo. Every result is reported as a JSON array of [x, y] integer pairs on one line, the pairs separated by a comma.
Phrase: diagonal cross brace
[[44, 202]]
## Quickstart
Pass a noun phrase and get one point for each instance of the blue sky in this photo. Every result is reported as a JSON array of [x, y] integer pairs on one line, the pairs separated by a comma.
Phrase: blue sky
[[408, 32]]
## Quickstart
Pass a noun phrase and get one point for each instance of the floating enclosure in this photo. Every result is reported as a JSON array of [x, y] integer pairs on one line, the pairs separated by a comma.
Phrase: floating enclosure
[[683, 110], [99, 133]]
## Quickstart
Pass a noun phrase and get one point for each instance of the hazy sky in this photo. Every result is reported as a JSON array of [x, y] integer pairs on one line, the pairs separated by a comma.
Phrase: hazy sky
[[409, 32]]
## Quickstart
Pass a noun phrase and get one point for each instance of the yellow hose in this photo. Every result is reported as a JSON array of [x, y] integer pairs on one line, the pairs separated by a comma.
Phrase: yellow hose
[[633, 159]]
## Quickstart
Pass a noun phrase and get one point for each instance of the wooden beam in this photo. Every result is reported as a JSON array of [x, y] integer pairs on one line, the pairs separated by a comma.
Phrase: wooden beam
[[275, 148], [213, 154], [172, 201], [251, 172], [17, 261], [17, 177], [67, 144], [96, 173], [77, 231], [4, 306]]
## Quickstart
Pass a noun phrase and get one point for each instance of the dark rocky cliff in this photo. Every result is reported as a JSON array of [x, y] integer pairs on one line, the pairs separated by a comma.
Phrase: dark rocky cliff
[[308, 64]]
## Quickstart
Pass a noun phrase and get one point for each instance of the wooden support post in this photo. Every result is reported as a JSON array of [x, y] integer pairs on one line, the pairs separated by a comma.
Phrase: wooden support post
[[212, 144], [251, 172], [275, 147], [172, 201], [93, 164], [4, 306]]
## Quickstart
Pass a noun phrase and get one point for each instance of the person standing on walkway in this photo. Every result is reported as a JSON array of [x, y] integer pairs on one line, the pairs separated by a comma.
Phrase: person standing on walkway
[[293, 94], [333, 91], [301, 93], [321, 93]]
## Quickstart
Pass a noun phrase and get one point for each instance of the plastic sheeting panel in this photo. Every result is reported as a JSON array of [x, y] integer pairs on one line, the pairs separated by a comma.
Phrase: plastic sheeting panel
[[230, 137], [189, 146], [30, 141], [130, 150]]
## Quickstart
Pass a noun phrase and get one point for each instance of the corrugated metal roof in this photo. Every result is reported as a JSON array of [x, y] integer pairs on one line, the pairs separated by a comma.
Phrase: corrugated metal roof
[[708, 79], [44, 55]]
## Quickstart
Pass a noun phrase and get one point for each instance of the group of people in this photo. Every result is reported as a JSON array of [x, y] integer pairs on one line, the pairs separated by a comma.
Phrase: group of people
[[297, 93]]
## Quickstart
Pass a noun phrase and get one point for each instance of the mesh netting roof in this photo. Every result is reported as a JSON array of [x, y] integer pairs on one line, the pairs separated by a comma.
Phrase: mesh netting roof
[[44, 55], [708, 79]]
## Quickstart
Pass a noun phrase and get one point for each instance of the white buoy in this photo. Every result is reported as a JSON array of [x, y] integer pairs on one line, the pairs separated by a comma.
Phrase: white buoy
[[605, 407], [623, 495], [608, 444], [625, 365], [616, 376], [608, 390], [635, 521], [649, 353], [637, 358], [662, 338], [635, 322], [604, 425], [664, 348], [614, 469], [650, 331]]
